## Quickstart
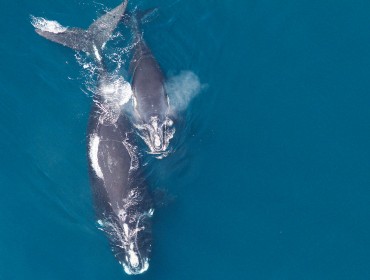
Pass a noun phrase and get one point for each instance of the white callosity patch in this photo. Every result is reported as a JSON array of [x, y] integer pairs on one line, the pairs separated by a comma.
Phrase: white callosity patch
[[157, 135], [93, 154], [47, 25], [134, 164], [125, 229], [182, 89], [133, 258], [144, 268], [126, 236]]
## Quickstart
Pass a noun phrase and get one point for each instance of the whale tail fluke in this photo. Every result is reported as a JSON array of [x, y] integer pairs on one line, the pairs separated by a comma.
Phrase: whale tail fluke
[[91, 40], [105, 25], [74, 38]]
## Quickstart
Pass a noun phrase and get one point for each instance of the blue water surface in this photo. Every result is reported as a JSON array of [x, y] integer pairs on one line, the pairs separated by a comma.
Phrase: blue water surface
[[271, 179]]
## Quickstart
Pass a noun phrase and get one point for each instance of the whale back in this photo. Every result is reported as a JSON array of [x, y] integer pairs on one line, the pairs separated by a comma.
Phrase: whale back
[[109, 159], [148, 84]]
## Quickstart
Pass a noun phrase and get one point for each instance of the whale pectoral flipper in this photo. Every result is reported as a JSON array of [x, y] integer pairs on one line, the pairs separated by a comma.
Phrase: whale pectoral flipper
[[74, 38]]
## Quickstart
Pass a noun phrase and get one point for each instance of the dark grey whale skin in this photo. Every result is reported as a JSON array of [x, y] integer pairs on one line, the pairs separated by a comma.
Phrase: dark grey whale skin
[[148, 83], [113, 193], [148, 86]]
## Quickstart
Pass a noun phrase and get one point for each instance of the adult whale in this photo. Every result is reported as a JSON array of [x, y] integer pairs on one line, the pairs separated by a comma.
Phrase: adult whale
[[122, 202], [152, 110]]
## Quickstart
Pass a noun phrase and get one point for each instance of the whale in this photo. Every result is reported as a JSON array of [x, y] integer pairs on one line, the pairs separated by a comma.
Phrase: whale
[[153, 115], [122, 201]]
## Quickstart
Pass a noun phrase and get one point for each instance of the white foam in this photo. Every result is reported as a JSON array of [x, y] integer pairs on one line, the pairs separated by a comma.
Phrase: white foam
[[93, 154], [47, 25], [142, 270], [117, 91]]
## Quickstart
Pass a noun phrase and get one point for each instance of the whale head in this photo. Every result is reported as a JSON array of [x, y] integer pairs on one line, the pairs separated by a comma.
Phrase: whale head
[[157, 132], [131, 240], [136, 243]]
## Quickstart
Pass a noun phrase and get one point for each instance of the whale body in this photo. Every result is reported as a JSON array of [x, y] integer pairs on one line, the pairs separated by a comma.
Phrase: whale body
[[122, 201], [153, 114], [123, 204]]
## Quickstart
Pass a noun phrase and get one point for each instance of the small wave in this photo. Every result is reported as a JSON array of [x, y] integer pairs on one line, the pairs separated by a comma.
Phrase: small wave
[[182, 88], [47, 25]]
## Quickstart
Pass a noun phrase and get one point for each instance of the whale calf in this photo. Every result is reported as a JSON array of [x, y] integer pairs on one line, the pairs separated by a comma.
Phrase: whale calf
[[152, 111], [123, 204]]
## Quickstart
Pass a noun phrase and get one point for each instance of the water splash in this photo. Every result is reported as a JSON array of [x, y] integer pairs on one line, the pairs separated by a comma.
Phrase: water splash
[[47, 25], [182, 88], [115, 91], [111, 92]]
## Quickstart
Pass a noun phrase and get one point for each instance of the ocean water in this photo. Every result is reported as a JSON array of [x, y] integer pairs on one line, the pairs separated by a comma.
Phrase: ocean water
[[271, 171]]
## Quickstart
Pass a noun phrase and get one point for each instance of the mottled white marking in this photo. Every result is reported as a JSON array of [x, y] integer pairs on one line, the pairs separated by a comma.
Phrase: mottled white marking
[[122, 214], [133, 259], [93, 154], [129, 271], [157, 141], [125, 229], [96, 52], [134, 101], [157, 135], [134, 164], [169, 122], [155, 122]]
